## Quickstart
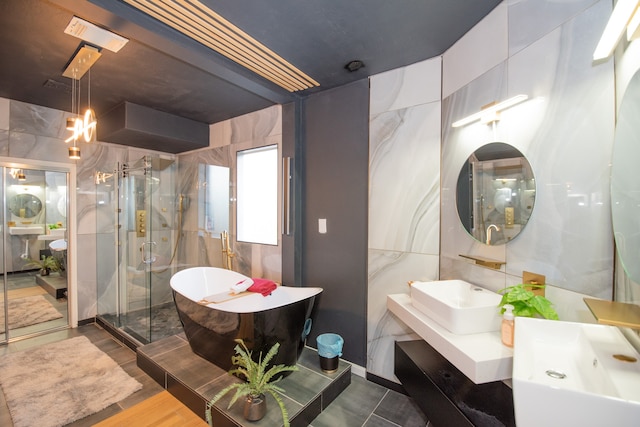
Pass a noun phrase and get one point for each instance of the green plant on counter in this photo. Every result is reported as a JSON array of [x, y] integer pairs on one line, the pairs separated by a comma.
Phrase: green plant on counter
[[525, 303], [258, 379], [53, 226]]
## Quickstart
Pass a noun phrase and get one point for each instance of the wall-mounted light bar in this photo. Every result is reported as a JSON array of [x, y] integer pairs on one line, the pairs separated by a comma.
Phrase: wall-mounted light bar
[[198, 22], [624, 13], [489, 113]]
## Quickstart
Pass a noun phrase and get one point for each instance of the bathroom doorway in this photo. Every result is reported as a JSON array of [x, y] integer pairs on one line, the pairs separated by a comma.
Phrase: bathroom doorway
[[139, 230], [34, 263]]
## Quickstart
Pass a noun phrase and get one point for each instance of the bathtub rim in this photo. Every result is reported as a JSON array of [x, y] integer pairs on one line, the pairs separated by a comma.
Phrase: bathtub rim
[[247, 304]]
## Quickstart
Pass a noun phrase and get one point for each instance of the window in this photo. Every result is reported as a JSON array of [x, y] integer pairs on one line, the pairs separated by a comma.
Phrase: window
[[257, 194]]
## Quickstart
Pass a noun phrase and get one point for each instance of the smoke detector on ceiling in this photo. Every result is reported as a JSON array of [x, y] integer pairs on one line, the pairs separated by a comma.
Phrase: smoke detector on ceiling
[[354, 65], [95, 35]]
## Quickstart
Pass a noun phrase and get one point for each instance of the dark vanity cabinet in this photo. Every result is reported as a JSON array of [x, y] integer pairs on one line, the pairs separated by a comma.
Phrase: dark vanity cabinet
[[445, 395]]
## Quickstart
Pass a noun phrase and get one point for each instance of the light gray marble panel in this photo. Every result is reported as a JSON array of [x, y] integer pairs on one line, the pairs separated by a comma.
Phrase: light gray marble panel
[[570, 153], [404, 169], [4, 142], [38, 120], [257, 125], [565, 133], [389, 273], [4, 113], [479, 50], [37, 147], [87, 277], [530, 20], [405, 87]]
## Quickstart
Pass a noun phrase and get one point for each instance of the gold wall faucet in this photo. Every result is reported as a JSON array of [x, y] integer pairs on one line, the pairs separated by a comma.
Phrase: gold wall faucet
[[227, 253]]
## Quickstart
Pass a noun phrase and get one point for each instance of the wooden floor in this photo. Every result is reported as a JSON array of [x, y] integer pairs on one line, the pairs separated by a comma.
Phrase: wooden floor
[[160, 410]]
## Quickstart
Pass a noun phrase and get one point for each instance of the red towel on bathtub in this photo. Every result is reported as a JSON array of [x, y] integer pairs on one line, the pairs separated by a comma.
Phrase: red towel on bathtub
[[263, 286]]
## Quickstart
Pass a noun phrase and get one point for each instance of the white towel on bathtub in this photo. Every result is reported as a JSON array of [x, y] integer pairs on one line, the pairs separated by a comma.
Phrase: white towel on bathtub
[[242, 286]]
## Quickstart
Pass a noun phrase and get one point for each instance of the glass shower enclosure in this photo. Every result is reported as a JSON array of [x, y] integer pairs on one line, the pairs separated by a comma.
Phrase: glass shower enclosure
[[139, 226]]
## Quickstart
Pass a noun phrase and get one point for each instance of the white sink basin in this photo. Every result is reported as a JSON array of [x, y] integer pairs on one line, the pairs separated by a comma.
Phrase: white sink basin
[[26, 229], [459, 306], [567, 373]]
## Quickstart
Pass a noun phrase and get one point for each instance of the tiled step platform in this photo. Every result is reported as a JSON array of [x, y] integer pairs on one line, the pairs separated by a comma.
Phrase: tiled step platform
[[194, 381], [55, 285]]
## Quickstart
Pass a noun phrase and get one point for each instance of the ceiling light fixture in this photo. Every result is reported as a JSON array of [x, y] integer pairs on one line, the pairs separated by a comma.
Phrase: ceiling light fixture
[[81, 126], [18, 174], [81, 61], [625, 15], [197, 21], [490, 113], [95, 35]]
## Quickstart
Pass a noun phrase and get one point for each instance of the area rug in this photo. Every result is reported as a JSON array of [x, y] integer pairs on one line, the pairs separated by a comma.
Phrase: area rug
[[29, 311], [55, 384]]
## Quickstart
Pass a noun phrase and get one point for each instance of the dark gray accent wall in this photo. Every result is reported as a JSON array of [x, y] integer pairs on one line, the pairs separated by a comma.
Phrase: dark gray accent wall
[[291, 148], [335, 187]]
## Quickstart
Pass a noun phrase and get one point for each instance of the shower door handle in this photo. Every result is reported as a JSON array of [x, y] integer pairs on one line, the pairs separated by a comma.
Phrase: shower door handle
[[151, 258]]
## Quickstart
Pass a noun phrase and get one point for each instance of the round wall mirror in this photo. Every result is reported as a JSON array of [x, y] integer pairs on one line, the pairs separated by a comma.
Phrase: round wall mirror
[[25, 205], [495, 193], [625, 185]]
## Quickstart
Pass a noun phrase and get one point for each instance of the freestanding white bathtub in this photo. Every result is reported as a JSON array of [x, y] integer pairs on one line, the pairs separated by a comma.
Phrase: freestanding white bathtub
[[211, 328]]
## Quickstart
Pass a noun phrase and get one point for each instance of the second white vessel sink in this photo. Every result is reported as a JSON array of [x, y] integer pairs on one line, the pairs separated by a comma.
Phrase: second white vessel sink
[[459, 306], [567, 373]]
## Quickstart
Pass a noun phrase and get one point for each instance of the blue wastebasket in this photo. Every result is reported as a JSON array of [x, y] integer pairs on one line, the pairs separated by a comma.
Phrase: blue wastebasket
[[329, 351]]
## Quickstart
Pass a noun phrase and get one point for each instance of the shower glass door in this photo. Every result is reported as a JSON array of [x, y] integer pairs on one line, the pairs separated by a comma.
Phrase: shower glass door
[[33, 296], [136, 298], [136, 245]]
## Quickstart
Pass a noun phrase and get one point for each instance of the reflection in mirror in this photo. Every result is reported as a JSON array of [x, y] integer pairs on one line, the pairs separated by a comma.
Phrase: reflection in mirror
[[25, 205], [625, 185], [213, 194], [495, 193]]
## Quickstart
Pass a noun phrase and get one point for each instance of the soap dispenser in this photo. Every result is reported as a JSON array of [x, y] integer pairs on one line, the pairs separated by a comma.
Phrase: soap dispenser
[[508, 326]]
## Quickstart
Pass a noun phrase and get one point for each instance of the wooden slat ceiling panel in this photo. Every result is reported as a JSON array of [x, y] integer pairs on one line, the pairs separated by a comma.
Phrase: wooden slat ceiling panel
[[195, 20]]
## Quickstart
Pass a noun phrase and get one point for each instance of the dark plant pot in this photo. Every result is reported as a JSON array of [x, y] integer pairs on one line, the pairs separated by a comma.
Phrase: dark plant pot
[[255, 407], [45, 272]]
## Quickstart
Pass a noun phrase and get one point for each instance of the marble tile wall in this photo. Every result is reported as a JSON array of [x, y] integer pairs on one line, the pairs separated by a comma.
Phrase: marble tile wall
[[538, 47], [252, 130], [566, 133], [404, 217]]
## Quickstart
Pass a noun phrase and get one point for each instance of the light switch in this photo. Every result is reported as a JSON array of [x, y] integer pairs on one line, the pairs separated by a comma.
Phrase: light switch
[[322, 225]]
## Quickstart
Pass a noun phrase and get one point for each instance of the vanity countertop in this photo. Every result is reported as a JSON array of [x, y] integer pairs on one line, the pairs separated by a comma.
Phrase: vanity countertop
[[481, 357]]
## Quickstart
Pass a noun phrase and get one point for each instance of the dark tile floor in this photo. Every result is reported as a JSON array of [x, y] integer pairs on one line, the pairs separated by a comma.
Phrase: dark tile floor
[[149, 325], [362, 404]]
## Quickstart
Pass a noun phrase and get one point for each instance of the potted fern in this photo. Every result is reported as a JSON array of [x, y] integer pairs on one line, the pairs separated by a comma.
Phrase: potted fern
[[259, 380], [46, 265]]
